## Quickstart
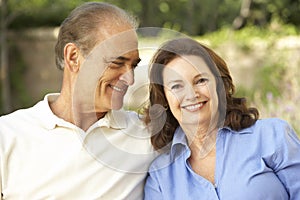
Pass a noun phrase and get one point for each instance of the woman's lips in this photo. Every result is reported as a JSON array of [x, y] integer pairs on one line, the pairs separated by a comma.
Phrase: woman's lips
[[194, 107]]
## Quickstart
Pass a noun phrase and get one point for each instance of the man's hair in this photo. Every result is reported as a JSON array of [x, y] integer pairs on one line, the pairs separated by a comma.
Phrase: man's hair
[[83, 26]]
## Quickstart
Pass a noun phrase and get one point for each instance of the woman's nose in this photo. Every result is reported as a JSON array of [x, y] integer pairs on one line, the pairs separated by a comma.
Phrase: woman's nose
[[192, 93]]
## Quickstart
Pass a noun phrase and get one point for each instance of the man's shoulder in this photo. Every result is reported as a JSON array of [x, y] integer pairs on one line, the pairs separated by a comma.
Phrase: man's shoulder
[[131, 117], [20, 116], [131, 114], [23, 113]]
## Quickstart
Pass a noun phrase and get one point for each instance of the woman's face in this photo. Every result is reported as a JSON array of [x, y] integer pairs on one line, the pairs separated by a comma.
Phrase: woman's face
[[190, 89]]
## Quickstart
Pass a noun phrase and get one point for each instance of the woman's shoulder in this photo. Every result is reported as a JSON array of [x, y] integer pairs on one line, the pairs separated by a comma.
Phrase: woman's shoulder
[[273, 129], [168, 159], [266, 125], [161, 162], [271, 125], [272, 122]]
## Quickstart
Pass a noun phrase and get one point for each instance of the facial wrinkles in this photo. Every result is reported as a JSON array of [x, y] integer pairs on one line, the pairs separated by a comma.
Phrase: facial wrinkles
[[94, 72], [117, 45], [190, 94], [120, 40], [115, 81], [183, 84]]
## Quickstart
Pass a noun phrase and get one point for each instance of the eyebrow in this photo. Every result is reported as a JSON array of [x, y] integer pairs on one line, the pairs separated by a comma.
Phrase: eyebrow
[[174, 81], [201, 74], [122, 58], [180, 81]]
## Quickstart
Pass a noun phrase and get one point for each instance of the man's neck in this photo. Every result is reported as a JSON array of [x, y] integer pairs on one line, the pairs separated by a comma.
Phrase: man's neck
[[64, 109]]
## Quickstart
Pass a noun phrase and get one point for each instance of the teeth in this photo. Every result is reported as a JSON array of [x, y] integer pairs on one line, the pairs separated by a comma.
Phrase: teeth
[[117, 88], [194, 107]]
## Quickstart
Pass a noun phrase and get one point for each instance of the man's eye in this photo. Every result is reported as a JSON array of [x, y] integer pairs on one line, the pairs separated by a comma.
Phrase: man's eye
[[134, 66], [116, 64]]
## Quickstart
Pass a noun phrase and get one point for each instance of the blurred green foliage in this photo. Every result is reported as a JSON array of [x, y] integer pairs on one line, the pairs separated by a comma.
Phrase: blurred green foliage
[[275, 91], [277, 86], [194, 17], [17, 69]]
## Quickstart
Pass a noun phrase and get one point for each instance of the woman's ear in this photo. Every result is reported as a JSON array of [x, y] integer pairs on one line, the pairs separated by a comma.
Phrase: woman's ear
[[71, 55]]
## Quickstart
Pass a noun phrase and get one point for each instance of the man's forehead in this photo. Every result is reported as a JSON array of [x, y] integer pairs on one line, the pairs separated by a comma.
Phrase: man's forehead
[[123, 44], [127, 36]]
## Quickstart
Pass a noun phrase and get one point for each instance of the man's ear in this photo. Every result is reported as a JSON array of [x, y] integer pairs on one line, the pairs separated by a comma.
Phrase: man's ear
[[71, 55]]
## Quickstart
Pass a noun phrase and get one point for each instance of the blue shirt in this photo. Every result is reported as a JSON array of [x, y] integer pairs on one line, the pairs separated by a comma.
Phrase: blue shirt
[[261, 162]]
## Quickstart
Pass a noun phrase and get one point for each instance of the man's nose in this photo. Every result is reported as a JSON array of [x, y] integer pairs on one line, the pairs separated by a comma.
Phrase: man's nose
[[128, 77]]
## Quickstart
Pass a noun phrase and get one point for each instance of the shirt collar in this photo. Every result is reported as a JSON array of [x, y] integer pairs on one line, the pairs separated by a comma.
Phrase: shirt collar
[[180, 143], [115, 119], [242, 131], [46, 115]]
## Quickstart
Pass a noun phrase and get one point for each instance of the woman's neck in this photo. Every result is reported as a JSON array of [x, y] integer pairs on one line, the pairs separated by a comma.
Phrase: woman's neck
[[201, 140]]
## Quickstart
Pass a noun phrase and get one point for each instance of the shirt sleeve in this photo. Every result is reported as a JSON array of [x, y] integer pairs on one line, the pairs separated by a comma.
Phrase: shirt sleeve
[[286, 161], [152, 189]]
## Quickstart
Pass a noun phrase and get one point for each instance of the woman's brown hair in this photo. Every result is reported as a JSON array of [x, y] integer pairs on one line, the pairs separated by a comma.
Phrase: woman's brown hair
[[233, 111]]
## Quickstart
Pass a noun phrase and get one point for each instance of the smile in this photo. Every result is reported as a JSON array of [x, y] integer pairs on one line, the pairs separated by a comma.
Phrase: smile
[[194, 107], [118, 89]]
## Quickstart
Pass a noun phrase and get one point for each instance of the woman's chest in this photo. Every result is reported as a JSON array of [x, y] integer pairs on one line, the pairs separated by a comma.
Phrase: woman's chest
[[246, 175]]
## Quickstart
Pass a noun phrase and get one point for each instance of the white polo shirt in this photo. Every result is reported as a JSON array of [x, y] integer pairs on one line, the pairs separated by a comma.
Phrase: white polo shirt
[[44, 157]]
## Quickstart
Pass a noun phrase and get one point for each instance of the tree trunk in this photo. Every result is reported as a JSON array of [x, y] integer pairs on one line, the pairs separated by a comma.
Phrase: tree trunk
[[4, 72], [240, 20], [190, 17]]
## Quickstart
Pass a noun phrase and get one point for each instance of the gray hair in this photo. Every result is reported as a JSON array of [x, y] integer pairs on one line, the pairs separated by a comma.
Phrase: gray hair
[[82, 27]]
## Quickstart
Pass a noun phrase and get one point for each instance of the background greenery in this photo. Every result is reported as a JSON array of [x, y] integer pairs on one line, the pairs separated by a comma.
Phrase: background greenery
[[191, 16], [276, 88]]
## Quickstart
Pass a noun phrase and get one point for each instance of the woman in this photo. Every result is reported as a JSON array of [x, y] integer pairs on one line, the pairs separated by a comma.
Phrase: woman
[[215, 147]]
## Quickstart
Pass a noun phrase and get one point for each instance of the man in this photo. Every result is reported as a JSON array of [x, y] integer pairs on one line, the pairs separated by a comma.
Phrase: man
[[77, 144]]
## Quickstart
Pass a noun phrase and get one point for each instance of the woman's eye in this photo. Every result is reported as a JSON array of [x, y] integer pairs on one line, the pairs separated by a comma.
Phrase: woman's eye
[[202, 81], [176, 87]]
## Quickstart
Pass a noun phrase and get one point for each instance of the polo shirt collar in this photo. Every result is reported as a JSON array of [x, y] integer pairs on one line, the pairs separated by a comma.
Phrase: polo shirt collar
[[47, 117], [115, 119]]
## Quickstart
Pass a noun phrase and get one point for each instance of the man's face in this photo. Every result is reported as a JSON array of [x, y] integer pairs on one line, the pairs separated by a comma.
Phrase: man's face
[[114, 82], [107, 72]]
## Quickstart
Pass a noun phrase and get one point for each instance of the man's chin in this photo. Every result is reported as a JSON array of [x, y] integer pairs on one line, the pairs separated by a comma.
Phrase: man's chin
[[117, 106], [117, 102]]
